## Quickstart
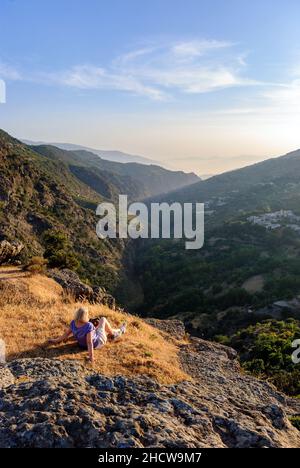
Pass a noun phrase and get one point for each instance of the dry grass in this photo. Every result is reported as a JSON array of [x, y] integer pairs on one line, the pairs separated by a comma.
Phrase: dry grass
[[34, 309]]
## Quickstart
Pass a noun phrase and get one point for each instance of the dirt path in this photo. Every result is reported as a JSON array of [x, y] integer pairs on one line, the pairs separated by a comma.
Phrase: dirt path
[[11, 272]]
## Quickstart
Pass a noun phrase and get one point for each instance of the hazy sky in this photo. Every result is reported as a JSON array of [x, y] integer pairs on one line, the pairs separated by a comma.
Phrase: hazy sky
[[202, 85]]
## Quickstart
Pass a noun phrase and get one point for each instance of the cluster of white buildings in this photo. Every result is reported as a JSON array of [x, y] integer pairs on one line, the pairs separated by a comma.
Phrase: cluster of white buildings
[[276, 219]]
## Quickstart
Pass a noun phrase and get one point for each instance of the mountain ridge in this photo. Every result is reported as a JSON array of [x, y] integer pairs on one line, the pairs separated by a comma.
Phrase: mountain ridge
[[39, 196], [204, 399], [230, 177], [145, 180], [109, 155]]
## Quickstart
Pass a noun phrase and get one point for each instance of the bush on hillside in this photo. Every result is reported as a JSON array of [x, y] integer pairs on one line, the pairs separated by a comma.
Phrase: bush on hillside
[[58, 251], [36, 265], [266, 351]]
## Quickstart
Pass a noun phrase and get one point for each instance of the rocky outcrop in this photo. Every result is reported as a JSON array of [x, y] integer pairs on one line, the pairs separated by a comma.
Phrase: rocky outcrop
[[100, 296], [173, 328], [52, 403], [71, 283], [9, 251]]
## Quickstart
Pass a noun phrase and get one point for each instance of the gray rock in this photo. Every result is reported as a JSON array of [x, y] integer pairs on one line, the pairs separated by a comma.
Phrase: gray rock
[[70, 282], [54, 403], [9, 251], [174, 328]]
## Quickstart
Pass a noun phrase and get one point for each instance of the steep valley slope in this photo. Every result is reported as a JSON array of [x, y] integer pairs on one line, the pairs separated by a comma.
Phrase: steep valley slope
[[44, 189]]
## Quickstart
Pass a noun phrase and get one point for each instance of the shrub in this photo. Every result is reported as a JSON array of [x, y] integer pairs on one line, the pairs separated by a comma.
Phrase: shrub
[[36, 265], [63, 259], [222, 339], [58, 251], [265, 350]]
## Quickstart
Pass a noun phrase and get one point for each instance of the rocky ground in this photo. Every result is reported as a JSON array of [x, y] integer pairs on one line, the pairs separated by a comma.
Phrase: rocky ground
[[52, 403], [9, 251]]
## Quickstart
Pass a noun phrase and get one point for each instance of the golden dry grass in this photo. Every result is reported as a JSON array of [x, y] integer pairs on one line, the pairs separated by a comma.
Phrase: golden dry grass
[[34, 309]]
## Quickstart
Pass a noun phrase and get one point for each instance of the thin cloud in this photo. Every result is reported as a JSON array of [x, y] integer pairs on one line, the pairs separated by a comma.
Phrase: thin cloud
[[91, 77], [196, 67], [275, 99], [7, 72], [161, 71], [287, 95], [196, 48]]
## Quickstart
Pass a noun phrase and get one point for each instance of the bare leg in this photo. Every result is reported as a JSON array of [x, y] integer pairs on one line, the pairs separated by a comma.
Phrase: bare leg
[[105, 326]]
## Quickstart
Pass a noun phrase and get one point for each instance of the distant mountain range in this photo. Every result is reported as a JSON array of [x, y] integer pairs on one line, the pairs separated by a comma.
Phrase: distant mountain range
[[110, 178], [267, 171], [109, 155]]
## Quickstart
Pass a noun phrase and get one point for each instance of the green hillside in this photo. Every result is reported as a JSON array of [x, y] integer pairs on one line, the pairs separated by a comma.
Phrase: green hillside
[[39, 196], [136, 180], [267, 172], [198, 285], [48, 193]]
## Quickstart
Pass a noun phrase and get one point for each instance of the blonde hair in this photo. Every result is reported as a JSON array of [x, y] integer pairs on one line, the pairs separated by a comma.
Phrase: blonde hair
[[81, 315]]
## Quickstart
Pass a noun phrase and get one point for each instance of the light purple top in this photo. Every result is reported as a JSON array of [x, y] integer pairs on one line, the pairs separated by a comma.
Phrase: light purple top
[[81, 332]]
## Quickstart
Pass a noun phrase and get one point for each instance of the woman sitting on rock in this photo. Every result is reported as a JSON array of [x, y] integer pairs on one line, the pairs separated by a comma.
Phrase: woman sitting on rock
[[87, 335]]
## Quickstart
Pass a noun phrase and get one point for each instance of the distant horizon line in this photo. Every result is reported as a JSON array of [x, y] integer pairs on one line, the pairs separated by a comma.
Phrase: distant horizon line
[[203, 176], [147, 160]]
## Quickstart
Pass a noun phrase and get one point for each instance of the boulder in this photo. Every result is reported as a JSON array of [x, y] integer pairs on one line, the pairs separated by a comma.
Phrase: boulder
[[9, 251], [100, 296], [70, 282]]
